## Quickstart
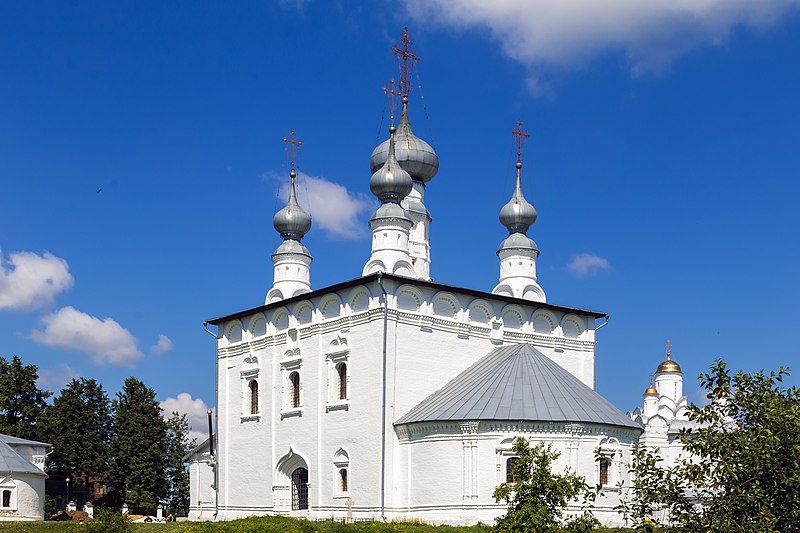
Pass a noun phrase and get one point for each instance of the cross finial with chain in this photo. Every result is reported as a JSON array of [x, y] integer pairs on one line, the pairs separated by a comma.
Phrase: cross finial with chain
[[293, 142], [407, 58], [391, 92], [520, 136], [669, 348]]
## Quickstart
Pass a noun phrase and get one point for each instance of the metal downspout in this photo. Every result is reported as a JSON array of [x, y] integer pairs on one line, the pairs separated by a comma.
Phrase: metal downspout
[[214, 461], [383, 398]]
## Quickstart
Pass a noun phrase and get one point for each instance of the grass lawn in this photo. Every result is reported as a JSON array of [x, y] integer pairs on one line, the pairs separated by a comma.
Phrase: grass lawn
[[260, 524], [276, 524]]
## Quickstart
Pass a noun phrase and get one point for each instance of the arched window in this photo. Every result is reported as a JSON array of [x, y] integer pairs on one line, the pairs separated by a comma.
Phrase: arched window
[[253, 397], [294, 382], [510, 476], [299, 489], [603, 471], [6, 498], [341, 370], [343, 480]]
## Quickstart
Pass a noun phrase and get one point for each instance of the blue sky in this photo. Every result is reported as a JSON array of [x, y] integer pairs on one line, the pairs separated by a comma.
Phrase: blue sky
[[141, 162]]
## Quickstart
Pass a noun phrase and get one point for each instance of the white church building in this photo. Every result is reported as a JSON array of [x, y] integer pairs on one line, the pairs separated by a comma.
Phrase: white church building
[[22, 478], [393, 396]]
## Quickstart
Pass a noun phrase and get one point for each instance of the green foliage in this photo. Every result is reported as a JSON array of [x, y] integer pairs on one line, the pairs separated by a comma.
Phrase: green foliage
[[78, 425], [106, 521], [178, 445], [139, 448], [744, 465], [537, 497], [654, 491], [21, 401]]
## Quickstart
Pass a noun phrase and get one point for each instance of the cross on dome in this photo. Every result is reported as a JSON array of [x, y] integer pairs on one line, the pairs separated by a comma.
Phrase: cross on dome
[[407, 58]]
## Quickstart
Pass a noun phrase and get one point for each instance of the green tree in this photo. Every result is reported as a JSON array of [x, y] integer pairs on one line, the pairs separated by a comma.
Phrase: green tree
[[178, 445], [78, 425], [536, 497], [139, 447], [21, 401], [743, 468]]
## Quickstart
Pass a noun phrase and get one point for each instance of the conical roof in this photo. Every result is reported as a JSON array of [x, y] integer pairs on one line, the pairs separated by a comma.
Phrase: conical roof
[[517, 383]]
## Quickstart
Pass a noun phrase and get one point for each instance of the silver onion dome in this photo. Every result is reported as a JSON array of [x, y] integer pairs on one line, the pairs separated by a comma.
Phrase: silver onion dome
[[415, 156], [291, 221], [518, 214], [391, 183]]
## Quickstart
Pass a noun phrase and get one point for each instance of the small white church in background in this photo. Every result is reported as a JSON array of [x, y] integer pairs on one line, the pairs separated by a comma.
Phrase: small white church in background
[[393, 396], [22, 478]]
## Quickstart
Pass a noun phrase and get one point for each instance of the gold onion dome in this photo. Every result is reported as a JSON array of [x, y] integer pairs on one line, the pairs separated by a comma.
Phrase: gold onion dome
[[650, 390], [414, 155], [291, 221], [669, 366]]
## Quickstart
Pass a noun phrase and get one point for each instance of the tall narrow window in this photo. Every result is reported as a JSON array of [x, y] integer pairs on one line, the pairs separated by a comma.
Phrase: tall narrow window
[[299, 489], [604, 464], [294, 382], [510, 476], [253, 397], [6, 498], [343, 480], [341, 370]]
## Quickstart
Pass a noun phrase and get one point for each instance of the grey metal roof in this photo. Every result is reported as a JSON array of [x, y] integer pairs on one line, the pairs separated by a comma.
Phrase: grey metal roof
[[517, 382], [12, 462], [8, 439]]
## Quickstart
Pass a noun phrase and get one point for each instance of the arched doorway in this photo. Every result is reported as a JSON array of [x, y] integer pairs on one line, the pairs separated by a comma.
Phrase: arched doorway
[[299, 489]]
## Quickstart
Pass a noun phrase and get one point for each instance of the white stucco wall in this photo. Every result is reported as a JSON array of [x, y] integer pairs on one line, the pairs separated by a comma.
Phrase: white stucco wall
[[27, 497], [431, 337]]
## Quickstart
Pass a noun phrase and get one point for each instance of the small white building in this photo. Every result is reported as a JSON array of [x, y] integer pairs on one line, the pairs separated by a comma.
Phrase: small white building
[[22, 478], [664, 413], [394, 396]]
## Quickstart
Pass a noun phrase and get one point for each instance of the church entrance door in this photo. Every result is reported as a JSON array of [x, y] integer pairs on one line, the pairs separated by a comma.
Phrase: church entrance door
[[299, 489]]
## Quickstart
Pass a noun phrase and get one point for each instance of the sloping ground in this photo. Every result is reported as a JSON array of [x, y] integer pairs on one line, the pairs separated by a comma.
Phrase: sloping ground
[[260, 525]]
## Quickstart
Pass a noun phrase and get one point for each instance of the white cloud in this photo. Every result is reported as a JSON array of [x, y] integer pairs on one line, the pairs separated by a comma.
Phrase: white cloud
[[651, 33], [195, 410], [28, 280], [585, 265], [56, 377], [162, 345], [104, 340], [332, 207]]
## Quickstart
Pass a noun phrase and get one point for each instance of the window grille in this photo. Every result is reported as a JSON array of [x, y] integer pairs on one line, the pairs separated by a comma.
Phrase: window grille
[[253, 397], [299, 489], [294, 380], [510, 476], [343, 480], [341, 369], [604, 464]]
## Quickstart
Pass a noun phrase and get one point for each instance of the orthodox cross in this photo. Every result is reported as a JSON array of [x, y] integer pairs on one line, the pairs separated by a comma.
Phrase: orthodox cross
[[669, 348], [392, 92], [520, 136], [407, 58], [292, 142], [651, 378]]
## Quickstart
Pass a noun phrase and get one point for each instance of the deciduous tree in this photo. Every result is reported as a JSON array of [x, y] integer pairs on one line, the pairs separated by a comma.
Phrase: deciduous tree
[[537, 496], [743, 467]]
